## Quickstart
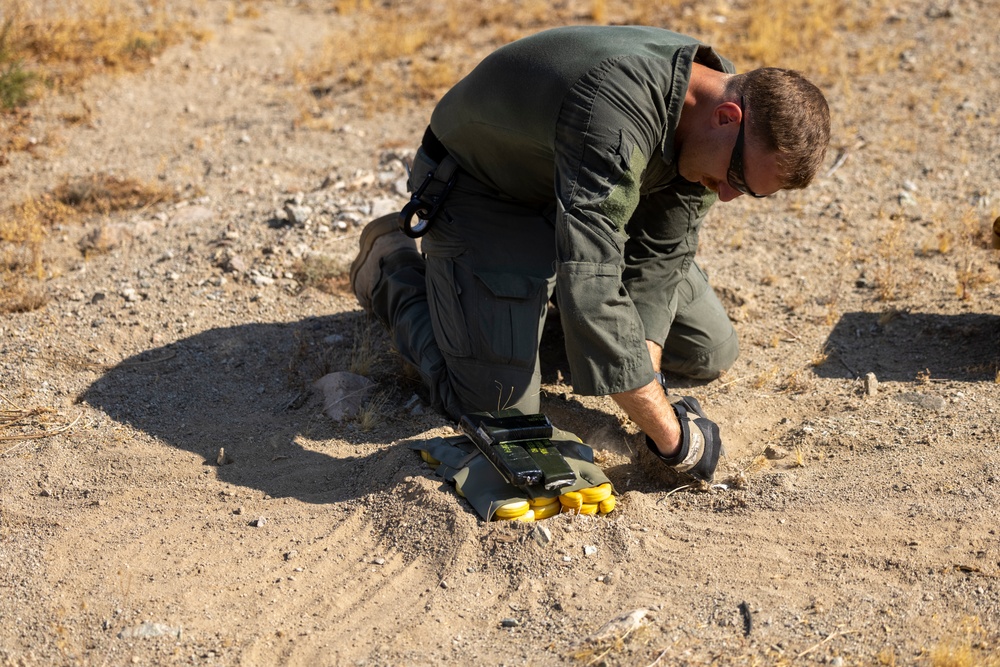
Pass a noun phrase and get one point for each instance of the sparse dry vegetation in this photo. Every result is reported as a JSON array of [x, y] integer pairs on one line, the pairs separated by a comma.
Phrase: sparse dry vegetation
[[328, 274], [892, 258], [25, 225], [373, 412], [365, 354], [414, 64], [968, 645], [55, 46], [972, 271], [833, 519]]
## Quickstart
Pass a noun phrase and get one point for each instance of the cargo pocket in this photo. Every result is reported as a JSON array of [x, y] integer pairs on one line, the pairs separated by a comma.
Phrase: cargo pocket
[[448, 319], [509, 313]]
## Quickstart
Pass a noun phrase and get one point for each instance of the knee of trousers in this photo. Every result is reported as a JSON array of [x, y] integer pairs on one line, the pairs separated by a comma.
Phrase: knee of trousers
[[705, 363]]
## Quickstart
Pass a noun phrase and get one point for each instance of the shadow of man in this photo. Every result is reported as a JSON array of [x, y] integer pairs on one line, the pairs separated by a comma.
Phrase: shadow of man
[[900, 346], [234, 388]]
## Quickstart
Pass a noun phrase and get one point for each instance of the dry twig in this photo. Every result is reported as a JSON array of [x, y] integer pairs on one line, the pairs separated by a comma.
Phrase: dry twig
[[831, 636], [37, 436]]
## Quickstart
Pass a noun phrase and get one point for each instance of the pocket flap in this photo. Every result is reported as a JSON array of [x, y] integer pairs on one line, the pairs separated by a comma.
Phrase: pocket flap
[[510, 285]]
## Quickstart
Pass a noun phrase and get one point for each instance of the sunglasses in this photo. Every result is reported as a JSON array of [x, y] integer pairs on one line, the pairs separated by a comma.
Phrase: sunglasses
[[737, 179]]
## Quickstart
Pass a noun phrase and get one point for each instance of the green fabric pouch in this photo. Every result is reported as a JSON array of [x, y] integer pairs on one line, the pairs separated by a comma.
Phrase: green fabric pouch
[[475, 478]]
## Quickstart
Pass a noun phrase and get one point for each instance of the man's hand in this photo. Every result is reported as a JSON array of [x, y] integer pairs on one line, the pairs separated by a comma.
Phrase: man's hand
[[692, 447], [649, 408]]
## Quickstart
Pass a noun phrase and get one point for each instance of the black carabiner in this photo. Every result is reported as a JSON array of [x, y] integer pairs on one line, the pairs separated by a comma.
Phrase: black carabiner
[[422, 209], [414, 208]]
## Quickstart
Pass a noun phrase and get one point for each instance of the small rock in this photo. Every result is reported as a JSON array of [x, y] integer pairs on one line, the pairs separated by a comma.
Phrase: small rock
[[783, 480], [232, 263], [149, 630], [925, 401], [509, 623], [103, 239], [363, 180], [871, 384], [379, 561], [589, 550], [258, 522], [298, 215], [542, 535], [343, 394], [261, 280], [774, 452], [289, 555], [620, 626], [192, 215], [414, 406]]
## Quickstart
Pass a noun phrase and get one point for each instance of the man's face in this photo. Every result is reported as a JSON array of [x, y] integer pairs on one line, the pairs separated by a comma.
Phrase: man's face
[[729, 162]]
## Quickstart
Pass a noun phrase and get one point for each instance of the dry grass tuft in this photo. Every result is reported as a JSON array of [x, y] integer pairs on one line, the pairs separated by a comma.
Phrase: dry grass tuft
[[820, 358], [25, 225], [365, 353], [797, 382], [628, 629], [20, 295], [62, 44], [800, 457], [765, 378], [892, 259], [22, 232], [972, 271], [327, 274], [969, 645], [105, 193], [373, 412], [28, 423]]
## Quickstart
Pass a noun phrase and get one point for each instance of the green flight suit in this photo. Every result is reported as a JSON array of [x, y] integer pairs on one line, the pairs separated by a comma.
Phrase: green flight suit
[[567, 184]]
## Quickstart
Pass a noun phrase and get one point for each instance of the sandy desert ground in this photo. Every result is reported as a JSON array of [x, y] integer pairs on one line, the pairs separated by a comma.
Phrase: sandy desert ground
[[852, 527]]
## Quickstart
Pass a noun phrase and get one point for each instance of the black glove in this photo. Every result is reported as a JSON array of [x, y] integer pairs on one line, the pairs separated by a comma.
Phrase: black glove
[[701, 444]]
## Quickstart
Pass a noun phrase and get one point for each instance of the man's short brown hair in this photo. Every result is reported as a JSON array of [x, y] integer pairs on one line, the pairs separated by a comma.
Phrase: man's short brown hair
[[787, 114]]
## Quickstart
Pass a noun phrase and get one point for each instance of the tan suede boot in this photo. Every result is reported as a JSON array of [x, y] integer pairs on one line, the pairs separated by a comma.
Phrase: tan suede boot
[[379, 239]]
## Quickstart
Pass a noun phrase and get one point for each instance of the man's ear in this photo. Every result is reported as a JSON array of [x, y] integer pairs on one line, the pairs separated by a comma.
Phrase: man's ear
[[726, 113]]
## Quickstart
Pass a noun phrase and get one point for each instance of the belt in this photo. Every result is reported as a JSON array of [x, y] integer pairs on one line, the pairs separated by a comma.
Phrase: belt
[[432, 146]]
